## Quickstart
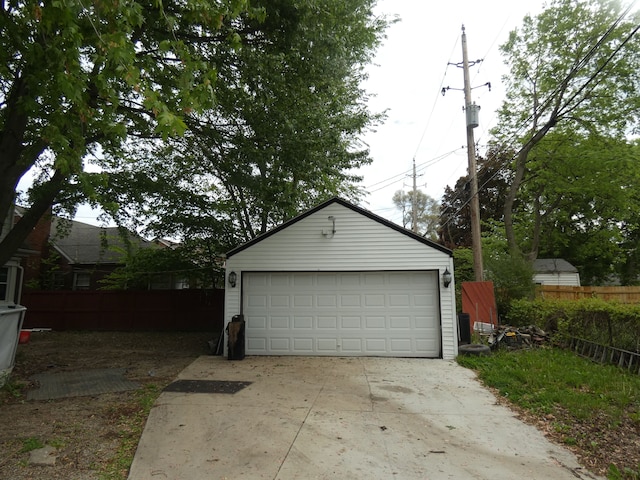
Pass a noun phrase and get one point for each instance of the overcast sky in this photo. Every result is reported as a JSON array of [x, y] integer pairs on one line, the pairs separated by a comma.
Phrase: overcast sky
[[411, 68]]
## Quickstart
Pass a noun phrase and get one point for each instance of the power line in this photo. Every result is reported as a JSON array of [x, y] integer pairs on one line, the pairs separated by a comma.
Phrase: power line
[[401, 176], [435, 101], [581, 64]]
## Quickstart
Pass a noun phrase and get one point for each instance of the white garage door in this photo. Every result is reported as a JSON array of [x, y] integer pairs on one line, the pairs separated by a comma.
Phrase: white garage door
[[357, 313]]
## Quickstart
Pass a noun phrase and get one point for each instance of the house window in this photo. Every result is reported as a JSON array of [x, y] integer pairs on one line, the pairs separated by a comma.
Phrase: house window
[[4, 283], [81, 281]]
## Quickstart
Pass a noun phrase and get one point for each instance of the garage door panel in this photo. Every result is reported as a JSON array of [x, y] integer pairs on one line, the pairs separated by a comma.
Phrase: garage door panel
[[281, 280], [403, 300], [302, 323], [350, 301], [256, 323], [425, 345], [400, 323], [349, 313], [302, 345], [375, 322], [300, 301], [330, 323], [351, 346], [257, 301], [372, 279], [327, 345], [279, 301], [327, 300], [279, 322], [376, 345], [351, 323], [423, 300], [401, 345], [280, 345], [374, 300], [256, 344], [424, 322], [303, 279], [324, 280]]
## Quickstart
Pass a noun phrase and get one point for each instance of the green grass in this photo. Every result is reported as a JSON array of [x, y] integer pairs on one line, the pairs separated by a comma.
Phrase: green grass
[[31, 443], [131, 425], [543, 380], [557, 384]]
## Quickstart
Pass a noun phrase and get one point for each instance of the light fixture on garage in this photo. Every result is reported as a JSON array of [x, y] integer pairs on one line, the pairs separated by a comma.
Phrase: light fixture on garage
[[331, 232], [446, 278], [233, 279]]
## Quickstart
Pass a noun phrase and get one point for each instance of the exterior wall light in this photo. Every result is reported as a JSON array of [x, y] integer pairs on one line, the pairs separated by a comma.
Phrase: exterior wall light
[[233, 279], [446, 278]]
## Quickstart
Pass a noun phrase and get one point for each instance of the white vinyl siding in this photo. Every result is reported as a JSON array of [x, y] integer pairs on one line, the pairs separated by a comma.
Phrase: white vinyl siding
[[561, 279], [359, 244]]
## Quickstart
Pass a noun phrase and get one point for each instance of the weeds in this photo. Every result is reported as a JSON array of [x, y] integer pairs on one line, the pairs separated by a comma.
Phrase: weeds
[[13, 388], [131, 425], [541, 380], [587, 402], [614, 473], [31, 443]]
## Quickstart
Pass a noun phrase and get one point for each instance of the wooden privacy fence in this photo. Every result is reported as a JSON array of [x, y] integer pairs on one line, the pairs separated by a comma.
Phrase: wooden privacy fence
[[168, 310], [618, 294]]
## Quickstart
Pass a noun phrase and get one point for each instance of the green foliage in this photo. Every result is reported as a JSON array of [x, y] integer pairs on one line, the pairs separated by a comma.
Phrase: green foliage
[[512, 278], [11, 387], [282, 137], [543, 380], [427, 212], [463, 270], [494, 177], [78, 79], [572, 102], [614, 473], [608, 323], [131, 425], [562, 386], [163, 268], [31, 443]]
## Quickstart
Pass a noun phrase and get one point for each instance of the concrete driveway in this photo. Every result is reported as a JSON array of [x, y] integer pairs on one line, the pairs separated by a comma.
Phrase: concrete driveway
[[346, 418]]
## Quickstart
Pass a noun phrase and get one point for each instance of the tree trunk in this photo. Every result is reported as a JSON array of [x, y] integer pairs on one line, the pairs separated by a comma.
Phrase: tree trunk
[[18, 234]]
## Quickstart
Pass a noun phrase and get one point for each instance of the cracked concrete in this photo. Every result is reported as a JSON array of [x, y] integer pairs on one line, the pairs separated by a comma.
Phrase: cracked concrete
[[357, 418]]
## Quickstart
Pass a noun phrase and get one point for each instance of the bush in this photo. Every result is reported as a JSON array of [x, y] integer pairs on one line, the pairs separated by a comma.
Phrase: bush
[[608, 323]]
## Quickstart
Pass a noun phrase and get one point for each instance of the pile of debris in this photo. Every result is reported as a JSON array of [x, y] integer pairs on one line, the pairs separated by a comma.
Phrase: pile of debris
[[520, 337]]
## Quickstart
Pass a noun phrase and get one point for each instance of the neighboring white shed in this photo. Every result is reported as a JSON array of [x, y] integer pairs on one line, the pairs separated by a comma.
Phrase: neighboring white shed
[[339, 280], [555, 271]]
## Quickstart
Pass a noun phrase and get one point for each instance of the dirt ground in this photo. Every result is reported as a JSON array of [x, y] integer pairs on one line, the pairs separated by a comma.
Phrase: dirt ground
[[94, 434], [91, 432]]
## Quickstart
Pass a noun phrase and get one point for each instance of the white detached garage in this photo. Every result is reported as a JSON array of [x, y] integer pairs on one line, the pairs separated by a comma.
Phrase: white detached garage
[[341, 281]]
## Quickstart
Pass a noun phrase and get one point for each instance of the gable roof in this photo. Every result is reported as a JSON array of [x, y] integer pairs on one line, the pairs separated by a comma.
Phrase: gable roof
[[350, 206], [82, 243], [553, 265]]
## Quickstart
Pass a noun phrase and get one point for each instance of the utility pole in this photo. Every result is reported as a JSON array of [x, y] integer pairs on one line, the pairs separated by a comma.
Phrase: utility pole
[[471, 111], [414, 197], [472, 116]]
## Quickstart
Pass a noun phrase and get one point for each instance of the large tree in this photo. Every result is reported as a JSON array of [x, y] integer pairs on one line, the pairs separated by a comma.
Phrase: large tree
[[283, 136], [573, 68], [91, 96], [494, 177], [427, 211], [581, 198], [77, 78]]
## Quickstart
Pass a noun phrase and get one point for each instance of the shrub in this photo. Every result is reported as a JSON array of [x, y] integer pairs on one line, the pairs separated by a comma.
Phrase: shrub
[[607, 323]]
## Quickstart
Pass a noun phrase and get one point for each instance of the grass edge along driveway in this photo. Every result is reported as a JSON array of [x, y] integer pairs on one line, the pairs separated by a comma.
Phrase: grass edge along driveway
[[592, 409]]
